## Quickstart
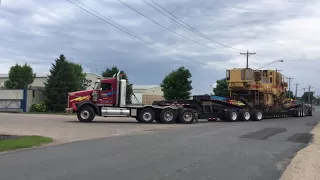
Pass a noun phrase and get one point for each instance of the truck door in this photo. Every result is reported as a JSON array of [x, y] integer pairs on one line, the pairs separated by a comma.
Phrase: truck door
[[106, 94]]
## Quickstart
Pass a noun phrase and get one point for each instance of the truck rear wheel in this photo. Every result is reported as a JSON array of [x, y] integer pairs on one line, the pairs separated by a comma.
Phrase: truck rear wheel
[[168, 116], [256, 115], [146, 115], [86, 114], [244, 115], [231, 116], [187, 116]]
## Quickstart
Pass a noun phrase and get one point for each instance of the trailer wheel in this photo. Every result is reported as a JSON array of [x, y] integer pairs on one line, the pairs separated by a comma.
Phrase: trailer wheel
[[146, 115], [231, 115], [244, 115], [309, 112], [256, 115], [187, 116], [168, 116], [86, 114]]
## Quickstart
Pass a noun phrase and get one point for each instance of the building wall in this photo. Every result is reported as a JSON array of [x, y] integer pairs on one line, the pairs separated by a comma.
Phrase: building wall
[[146, 94], [40, 80], [34, 97]]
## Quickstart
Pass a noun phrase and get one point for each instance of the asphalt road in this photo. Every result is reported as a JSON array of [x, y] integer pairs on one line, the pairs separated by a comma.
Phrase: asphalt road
[[218, 150]]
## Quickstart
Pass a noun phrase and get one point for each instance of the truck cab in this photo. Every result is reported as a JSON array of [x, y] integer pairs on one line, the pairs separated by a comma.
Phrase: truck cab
[[107, 92]]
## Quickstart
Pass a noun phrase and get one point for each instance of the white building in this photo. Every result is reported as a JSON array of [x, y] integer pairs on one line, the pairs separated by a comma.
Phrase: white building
[[144, 94], [42, 78]]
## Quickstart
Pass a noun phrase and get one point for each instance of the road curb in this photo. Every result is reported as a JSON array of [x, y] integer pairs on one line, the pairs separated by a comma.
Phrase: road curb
[[306, 163]]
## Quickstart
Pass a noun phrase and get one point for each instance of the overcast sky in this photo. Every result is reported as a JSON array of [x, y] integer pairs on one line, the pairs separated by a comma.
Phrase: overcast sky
[[38, 31]]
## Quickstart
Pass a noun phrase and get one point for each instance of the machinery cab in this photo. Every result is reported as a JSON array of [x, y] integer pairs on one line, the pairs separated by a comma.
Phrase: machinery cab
[[259, 87], [110, 91]]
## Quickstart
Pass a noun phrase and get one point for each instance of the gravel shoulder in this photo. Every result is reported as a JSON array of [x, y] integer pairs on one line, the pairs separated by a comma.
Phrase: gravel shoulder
[[64, 128], [306, 164]]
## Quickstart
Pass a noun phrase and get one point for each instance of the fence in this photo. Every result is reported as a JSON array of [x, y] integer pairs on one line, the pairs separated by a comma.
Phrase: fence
[[19, 100]]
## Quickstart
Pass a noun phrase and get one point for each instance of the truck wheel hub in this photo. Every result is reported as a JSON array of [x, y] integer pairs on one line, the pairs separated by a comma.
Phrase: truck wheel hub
[[246, 115], [84, 114], [233, 116], [259, 115], [147, 116], [187, 116], [168, 116]]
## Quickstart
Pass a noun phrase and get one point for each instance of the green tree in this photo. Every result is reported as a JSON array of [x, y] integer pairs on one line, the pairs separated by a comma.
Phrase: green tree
[[62, 80], [177, 84], [305, 97], [114, 70], [221, 88], [81, 76], [20, 77]]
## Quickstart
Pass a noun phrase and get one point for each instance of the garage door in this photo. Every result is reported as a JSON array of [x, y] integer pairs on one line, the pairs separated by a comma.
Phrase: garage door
[[10, 105], [137, 99]]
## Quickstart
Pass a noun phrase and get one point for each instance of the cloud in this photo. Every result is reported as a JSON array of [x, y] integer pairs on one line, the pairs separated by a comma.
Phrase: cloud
[[37, 32]]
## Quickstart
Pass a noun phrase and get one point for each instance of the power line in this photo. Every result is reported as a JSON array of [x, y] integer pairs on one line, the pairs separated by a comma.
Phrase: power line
[[185, 25], [166, 27], [247, 54], [127, 31]]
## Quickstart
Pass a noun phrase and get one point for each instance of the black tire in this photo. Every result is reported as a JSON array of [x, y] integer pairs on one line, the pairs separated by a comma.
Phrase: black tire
[[231, 116], [168, 116], [256, 115], [146, 115], [244, 115], [85, 114], [310, 112], [137, 118], [187, 116], [295, 113]]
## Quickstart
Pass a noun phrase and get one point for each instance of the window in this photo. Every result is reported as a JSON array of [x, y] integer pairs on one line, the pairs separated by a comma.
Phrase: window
[[105, 86], [243, 74], [228, 75], [270, 79]]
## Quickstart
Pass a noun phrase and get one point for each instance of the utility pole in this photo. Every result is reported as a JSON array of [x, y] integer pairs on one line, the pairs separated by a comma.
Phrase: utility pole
[[309, 94], [296, 94], [290, 86], [247, 54]]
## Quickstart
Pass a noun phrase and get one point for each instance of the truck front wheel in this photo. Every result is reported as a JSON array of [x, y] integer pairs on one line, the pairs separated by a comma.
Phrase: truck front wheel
[[86, 114]]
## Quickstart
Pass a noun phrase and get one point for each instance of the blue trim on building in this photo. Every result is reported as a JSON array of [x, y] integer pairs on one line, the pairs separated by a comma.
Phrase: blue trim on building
[[24, 101]]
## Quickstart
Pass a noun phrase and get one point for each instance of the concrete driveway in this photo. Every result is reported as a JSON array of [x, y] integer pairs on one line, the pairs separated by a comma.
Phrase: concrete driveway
[[66, 128]]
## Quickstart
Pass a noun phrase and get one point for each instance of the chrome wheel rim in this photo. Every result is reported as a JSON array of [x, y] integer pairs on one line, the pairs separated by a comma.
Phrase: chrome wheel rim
[[168, 116], [233, 116], [84, 114], [259, 115], [147, 116], [187, 116], [246, 116]]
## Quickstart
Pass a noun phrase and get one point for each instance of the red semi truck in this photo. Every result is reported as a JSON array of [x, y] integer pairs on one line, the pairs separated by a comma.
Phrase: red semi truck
[[108, 98]]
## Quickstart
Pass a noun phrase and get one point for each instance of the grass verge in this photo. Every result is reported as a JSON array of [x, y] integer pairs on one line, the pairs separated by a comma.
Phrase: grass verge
[[23, 142]]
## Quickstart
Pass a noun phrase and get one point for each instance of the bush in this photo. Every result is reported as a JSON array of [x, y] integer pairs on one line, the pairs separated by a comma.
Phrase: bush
[[40, 107]]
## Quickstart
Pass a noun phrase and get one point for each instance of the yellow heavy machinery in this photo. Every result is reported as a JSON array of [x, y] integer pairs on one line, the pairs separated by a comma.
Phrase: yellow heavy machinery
[[264, 90]]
